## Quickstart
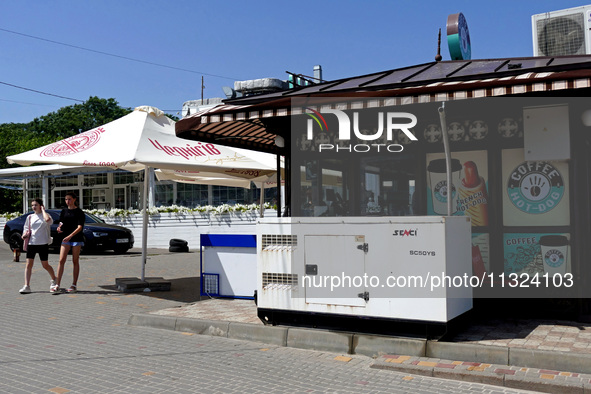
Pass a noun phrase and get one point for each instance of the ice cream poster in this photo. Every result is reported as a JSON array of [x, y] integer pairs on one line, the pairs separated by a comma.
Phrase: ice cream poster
[[535, 193], [536, 253], [469, 191]]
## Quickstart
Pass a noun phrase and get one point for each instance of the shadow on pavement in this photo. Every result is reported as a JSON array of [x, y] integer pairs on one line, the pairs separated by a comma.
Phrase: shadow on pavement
[[56, 251], [181, 290], [107, 290]]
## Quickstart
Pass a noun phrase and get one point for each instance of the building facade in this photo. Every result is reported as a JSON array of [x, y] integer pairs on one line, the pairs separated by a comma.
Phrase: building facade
[[100, 189]]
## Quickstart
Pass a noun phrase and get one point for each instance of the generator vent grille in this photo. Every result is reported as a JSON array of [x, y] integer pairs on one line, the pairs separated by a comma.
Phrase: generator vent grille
[[272, 280], [278, 242]]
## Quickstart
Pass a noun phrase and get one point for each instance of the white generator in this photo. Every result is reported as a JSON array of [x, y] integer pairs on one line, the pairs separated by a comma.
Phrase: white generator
[[411, 269]]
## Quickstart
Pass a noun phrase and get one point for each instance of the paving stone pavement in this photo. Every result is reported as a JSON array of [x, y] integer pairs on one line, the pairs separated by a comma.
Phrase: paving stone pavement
[[539, 334], [81, 342], [503, 375], [489, 334]]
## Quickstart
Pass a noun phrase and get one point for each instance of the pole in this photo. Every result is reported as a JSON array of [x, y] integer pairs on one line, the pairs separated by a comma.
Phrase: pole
[[262, 199], [145, 223], [25, 196], [45, 189], [447, 157], [278, 185]]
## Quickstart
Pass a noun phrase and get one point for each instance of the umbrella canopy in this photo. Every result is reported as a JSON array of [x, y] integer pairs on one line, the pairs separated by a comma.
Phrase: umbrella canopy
[[212, 178], [142, 139], [146, 137], [200, 178]]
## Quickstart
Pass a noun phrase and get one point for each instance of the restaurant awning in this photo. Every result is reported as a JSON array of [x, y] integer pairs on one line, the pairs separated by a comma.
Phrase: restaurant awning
[[253, 122]]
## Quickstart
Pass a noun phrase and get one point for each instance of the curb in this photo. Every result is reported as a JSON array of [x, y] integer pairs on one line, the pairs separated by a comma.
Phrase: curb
[[541, 380], [479, 363], [469, 352]]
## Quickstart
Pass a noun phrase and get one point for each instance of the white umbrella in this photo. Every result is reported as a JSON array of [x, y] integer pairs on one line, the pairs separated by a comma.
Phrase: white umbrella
[[142, 139], [199, 178], [146, 137], [212, 178]]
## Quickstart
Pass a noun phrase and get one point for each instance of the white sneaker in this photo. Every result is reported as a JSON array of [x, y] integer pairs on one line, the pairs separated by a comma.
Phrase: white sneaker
[[25, 290], [54, 288]]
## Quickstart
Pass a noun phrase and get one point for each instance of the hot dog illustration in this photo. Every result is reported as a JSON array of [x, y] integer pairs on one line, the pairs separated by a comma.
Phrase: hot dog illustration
[[473, 199]]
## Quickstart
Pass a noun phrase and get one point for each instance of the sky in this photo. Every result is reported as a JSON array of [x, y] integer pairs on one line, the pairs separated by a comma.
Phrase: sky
[[56, 53]]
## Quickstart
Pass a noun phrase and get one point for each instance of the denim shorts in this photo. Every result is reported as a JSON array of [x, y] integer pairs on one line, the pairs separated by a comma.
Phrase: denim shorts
[[73, 243]]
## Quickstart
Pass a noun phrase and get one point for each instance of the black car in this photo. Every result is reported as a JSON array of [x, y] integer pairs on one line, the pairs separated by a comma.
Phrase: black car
[[98, 235]]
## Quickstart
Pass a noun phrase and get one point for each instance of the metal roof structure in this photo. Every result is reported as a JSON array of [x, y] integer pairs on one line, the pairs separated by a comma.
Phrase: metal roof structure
[[253, 122], [20, 173]]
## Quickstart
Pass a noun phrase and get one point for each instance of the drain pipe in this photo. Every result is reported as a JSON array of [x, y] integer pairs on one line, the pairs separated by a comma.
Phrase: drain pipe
[[447, 157]]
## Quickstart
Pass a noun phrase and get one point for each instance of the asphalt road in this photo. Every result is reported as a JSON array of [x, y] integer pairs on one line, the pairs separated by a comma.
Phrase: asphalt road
[[81, 342]]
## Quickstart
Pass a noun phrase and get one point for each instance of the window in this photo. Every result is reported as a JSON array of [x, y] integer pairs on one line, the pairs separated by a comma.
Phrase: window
[[125, 177], [34, 190], [66, 181], [87, 198], [230, 195], [120, 198], [387, 187], [95, 199], [324, 189], [95, 179], [164, 195], [189, 195]]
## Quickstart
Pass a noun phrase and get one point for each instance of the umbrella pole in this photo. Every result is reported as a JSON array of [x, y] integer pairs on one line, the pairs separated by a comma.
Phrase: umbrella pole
[[145, 223], [262, 199]]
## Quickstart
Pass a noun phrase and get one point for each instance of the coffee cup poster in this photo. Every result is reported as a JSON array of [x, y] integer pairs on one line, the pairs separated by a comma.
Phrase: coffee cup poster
[[469, 190], [534, 253], [535, 193]]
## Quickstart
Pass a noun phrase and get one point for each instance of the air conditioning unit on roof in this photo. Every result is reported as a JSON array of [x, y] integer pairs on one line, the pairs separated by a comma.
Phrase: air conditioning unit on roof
[[259, 86], [563, 32]]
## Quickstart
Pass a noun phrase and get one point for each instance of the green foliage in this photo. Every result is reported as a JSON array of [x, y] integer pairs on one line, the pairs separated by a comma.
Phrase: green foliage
[[173, 117], [18, 137], [69, 121], [65, 122], [11, 200]]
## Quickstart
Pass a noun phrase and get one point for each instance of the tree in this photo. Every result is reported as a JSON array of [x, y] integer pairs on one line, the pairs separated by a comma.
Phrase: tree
[[65, 122], [69, 121]]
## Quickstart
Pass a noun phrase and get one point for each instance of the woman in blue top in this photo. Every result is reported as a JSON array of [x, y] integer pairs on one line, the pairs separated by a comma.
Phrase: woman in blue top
[[71, 225], [37, 230]]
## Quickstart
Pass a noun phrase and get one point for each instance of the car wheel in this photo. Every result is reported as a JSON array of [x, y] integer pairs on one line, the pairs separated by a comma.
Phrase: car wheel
[[16, 240]]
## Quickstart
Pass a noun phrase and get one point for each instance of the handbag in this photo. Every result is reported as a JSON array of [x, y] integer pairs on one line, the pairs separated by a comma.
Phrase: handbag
[[26, 241], [49, 235]]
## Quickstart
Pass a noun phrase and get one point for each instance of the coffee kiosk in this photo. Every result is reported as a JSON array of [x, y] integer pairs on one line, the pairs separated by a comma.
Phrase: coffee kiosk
[[519, 134]]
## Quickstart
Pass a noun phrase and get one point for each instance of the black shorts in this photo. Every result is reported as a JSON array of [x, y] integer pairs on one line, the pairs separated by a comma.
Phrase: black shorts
[[43, 251]]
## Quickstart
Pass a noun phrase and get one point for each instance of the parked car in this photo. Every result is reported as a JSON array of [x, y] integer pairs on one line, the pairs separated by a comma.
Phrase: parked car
[[98, 235]]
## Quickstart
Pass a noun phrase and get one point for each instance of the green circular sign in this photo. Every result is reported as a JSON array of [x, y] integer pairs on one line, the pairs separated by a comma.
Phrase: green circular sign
[[458, 37]]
